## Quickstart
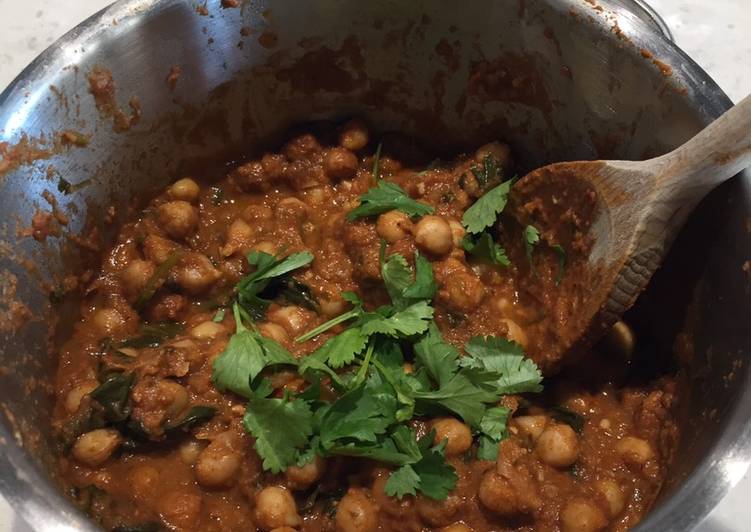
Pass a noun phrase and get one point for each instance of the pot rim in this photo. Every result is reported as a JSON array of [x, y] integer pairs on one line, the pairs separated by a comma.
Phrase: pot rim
[[38, 502]]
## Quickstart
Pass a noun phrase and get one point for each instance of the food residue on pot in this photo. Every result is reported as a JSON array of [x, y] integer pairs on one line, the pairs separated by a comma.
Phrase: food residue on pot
[[102, 87]]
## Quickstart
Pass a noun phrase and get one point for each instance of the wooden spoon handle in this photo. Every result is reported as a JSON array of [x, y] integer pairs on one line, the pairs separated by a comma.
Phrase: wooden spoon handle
[[714, 155]]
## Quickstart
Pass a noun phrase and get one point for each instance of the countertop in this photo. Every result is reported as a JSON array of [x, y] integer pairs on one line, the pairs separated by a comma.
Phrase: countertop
[[713, 32]]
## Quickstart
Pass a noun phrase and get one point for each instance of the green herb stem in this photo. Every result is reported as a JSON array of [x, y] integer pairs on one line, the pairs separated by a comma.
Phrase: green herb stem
[[355, 312]]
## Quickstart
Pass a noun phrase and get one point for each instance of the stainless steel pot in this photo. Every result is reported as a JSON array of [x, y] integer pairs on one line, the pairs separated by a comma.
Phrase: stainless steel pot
[[559, 79]]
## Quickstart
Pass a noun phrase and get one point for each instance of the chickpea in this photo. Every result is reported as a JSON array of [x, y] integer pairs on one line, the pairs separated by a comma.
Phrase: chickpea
[[558, 446], [460, 287], [620, 340], [530, 427], [108, 320], [180, 509], [218, 464], [75, 395], [273, 165], [433, 235], [196, 274], [176, 396], [185, 190], [291, 208], [251, 177], [189, 451], [439, 513], [356, 513], [256, 214], [634, 451], [178, 218], [304, 146], [301, 478], [498, 150], [95, 447], [273, 331], [143, 480], [582, 516], [169, 307], [316, 196], [265, 247], [389, 166], [292, 318], [332, 307], [394, 225], [340, 163], [239, 237], [499, 496], [515, 332], [136, 275], [457, 232], [208, 330], [612, 493], [354, 135], [458, 436], [158, 249], [276, 508], [456, 527]]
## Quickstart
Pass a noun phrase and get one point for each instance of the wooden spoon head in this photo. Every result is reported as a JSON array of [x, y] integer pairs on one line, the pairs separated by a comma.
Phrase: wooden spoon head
[[590, 209]]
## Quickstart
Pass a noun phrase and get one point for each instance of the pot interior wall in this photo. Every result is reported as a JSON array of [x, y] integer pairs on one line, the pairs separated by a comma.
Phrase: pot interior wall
[[558, 80]]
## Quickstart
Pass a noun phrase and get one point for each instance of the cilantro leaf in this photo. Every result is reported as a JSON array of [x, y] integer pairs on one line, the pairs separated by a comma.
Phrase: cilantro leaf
[[247, 353], [341, 350], [424, 286], [503, 357], [403, 481], [404, 386], [315, 362], [483, 212], [465, 394], [437, 478], [492, 432], [385, 450], [429, 474], [268, 269], [240, 362], [439, 358], [360, 414], [531, 239], [281, 428], [387, 196], [412, 320], [397, 278], [484, 248]]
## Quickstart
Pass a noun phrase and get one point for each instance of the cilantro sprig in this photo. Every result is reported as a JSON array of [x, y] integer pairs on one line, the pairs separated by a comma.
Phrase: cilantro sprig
[[387, 196], [485, 249], [483, 212], [270, 272], [374, 397], [248, 353]]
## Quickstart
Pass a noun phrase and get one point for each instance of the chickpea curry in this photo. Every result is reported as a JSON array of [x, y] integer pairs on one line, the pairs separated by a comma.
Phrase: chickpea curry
[[333, 337]]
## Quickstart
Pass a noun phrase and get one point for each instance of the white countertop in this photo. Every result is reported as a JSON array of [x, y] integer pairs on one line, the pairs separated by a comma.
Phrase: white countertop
[[713, 32]]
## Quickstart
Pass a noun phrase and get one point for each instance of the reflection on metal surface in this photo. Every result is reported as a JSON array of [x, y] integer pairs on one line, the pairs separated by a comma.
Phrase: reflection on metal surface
[[735, 469], [601, 100]]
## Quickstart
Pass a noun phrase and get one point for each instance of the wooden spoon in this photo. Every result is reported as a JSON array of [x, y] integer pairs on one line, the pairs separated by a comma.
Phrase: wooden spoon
[[621, 217]]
